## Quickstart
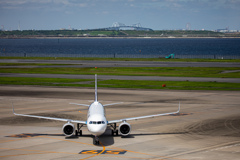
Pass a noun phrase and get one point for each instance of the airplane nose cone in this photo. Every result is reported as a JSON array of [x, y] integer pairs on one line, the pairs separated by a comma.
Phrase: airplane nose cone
[[97, 129]]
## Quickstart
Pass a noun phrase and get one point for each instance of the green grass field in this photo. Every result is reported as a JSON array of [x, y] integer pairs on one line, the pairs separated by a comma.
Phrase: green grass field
[[216, 72], [132, 84]]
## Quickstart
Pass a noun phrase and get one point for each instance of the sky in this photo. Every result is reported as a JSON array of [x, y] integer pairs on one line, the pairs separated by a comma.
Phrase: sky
[[91, 14]]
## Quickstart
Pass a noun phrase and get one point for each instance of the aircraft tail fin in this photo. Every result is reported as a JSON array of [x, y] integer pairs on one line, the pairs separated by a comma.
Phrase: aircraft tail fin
[[96, 88]]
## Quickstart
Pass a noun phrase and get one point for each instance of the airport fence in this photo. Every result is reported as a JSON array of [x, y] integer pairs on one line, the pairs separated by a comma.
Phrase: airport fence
[[120, 56]]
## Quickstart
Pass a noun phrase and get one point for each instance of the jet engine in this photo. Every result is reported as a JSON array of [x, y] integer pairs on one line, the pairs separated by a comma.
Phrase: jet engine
[[68, 129], [124, 128]]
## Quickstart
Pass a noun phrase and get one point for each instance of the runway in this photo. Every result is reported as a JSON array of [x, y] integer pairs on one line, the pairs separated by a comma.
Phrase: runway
[[208, 126]]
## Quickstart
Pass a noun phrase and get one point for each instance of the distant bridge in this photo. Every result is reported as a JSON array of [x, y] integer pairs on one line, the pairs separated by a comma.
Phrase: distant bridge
[[116, 26]]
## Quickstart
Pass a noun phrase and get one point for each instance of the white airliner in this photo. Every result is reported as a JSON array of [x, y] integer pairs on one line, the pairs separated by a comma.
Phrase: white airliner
[[96, 120]]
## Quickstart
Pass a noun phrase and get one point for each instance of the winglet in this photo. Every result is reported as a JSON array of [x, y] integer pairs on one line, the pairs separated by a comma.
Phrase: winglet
[[179, 107], [13, 108], [96, 88]]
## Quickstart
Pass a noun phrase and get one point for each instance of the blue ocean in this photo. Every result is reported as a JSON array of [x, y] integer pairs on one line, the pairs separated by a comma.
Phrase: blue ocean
[[228, 48]]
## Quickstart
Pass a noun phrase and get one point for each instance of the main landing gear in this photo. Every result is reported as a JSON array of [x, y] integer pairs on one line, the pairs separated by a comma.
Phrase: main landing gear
[[78, 131], [114, 129]]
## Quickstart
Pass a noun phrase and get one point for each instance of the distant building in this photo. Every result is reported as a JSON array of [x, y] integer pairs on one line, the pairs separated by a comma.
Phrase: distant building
[[86, 34], [222, 30]]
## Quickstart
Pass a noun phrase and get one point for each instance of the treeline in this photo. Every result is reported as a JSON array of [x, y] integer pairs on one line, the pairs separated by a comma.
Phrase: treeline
[[59, 33], [106, 33]]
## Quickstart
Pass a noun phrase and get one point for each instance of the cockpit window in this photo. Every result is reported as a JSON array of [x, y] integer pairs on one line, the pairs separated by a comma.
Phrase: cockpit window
[[96, 122]]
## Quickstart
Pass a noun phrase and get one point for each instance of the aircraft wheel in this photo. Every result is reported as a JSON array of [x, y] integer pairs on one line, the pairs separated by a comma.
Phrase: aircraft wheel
[[80, 132], [76, 133], [95, 142], [115, 132], [112, 133]]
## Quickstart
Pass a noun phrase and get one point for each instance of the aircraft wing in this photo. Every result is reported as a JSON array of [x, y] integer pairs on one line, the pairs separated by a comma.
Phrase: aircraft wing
[[112, 104], [142, 117], [80, 104], [50, 118]]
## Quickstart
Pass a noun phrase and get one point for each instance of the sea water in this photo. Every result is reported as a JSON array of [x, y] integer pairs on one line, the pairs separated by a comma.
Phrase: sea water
[[123, 47]]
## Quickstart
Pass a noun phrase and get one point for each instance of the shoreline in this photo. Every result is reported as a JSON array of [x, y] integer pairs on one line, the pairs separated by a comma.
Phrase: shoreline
[[45, 37]]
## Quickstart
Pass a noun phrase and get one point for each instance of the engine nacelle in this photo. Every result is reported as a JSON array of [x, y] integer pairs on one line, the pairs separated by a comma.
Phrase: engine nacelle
[[68, 129], [124, 128]]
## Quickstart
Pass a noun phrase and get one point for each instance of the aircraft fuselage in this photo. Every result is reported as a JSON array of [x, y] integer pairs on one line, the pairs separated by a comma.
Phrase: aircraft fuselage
[[96, 121]]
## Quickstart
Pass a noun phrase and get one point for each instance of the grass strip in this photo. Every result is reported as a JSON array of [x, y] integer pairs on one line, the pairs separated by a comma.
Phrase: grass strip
[[170, 85], [216, 72], [42, 81], [130, 84]]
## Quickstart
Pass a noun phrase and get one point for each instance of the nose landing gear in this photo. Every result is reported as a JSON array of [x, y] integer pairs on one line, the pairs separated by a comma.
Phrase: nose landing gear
[[96, 140]]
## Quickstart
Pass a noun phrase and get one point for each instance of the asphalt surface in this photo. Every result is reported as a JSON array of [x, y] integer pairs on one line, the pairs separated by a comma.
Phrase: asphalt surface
[[81, 63], [206, 128]]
